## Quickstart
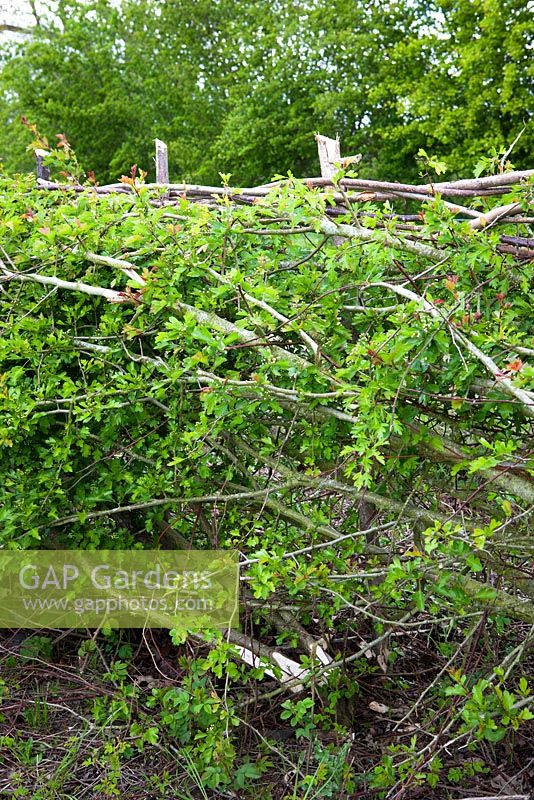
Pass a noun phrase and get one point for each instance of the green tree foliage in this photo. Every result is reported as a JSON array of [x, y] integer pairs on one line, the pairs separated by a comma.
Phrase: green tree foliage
[[115, 79], [473, 85], [240, 87]]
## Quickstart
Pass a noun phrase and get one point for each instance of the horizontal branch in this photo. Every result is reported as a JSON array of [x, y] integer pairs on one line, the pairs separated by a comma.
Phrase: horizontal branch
[[170, 501], [471, 187], [492, 216], [321, 482], [468, 186], [377, 237], [117, 263], [439, 447], [15, 28], [514, 607], [73, 286]]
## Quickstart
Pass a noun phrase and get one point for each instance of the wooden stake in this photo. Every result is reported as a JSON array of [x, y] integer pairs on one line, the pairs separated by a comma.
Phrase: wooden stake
[[43, 172], [329, 152], [162, 162]]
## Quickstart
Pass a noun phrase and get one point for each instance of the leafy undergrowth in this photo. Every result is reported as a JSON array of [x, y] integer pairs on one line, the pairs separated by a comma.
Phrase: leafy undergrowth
[[133, 716], [354, 417]]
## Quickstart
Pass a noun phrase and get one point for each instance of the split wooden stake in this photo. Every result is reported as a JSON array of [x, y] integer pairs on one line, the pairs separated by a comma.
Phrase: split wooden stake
[[43, 172], [330, 154], [162, 162]]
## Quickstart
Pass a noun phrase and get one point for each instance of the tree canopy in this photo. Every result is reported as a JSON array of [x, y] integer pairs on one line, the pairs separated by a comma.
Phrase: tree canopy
[[241, 87]]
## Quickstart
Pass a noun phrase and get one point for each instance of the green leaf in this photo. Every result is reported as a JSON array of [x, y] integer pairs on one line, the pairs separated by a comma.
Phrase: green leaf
[[419, 600]]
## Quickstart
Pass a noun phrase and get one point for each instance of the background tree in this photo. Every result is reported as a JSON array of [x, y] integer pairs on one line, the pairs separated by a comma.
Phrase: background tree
[[241, 87]]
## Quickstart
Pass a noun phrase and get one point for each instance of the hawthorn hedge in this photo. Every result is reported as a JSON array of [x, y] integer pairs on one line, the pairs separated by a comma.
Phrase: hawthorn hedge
[[348, 403]]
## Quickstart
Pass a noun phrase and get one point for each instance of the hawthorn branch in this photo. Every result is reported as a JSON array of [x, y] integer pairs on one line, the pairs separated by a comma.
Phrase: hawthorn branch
[[8, 27], [163, 501], [377, 237], [208, 318], [73, 286], [506, 384], [381, 502], [309, 342], [441, 448], [493, 216], [117, 263], [513, 606]]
